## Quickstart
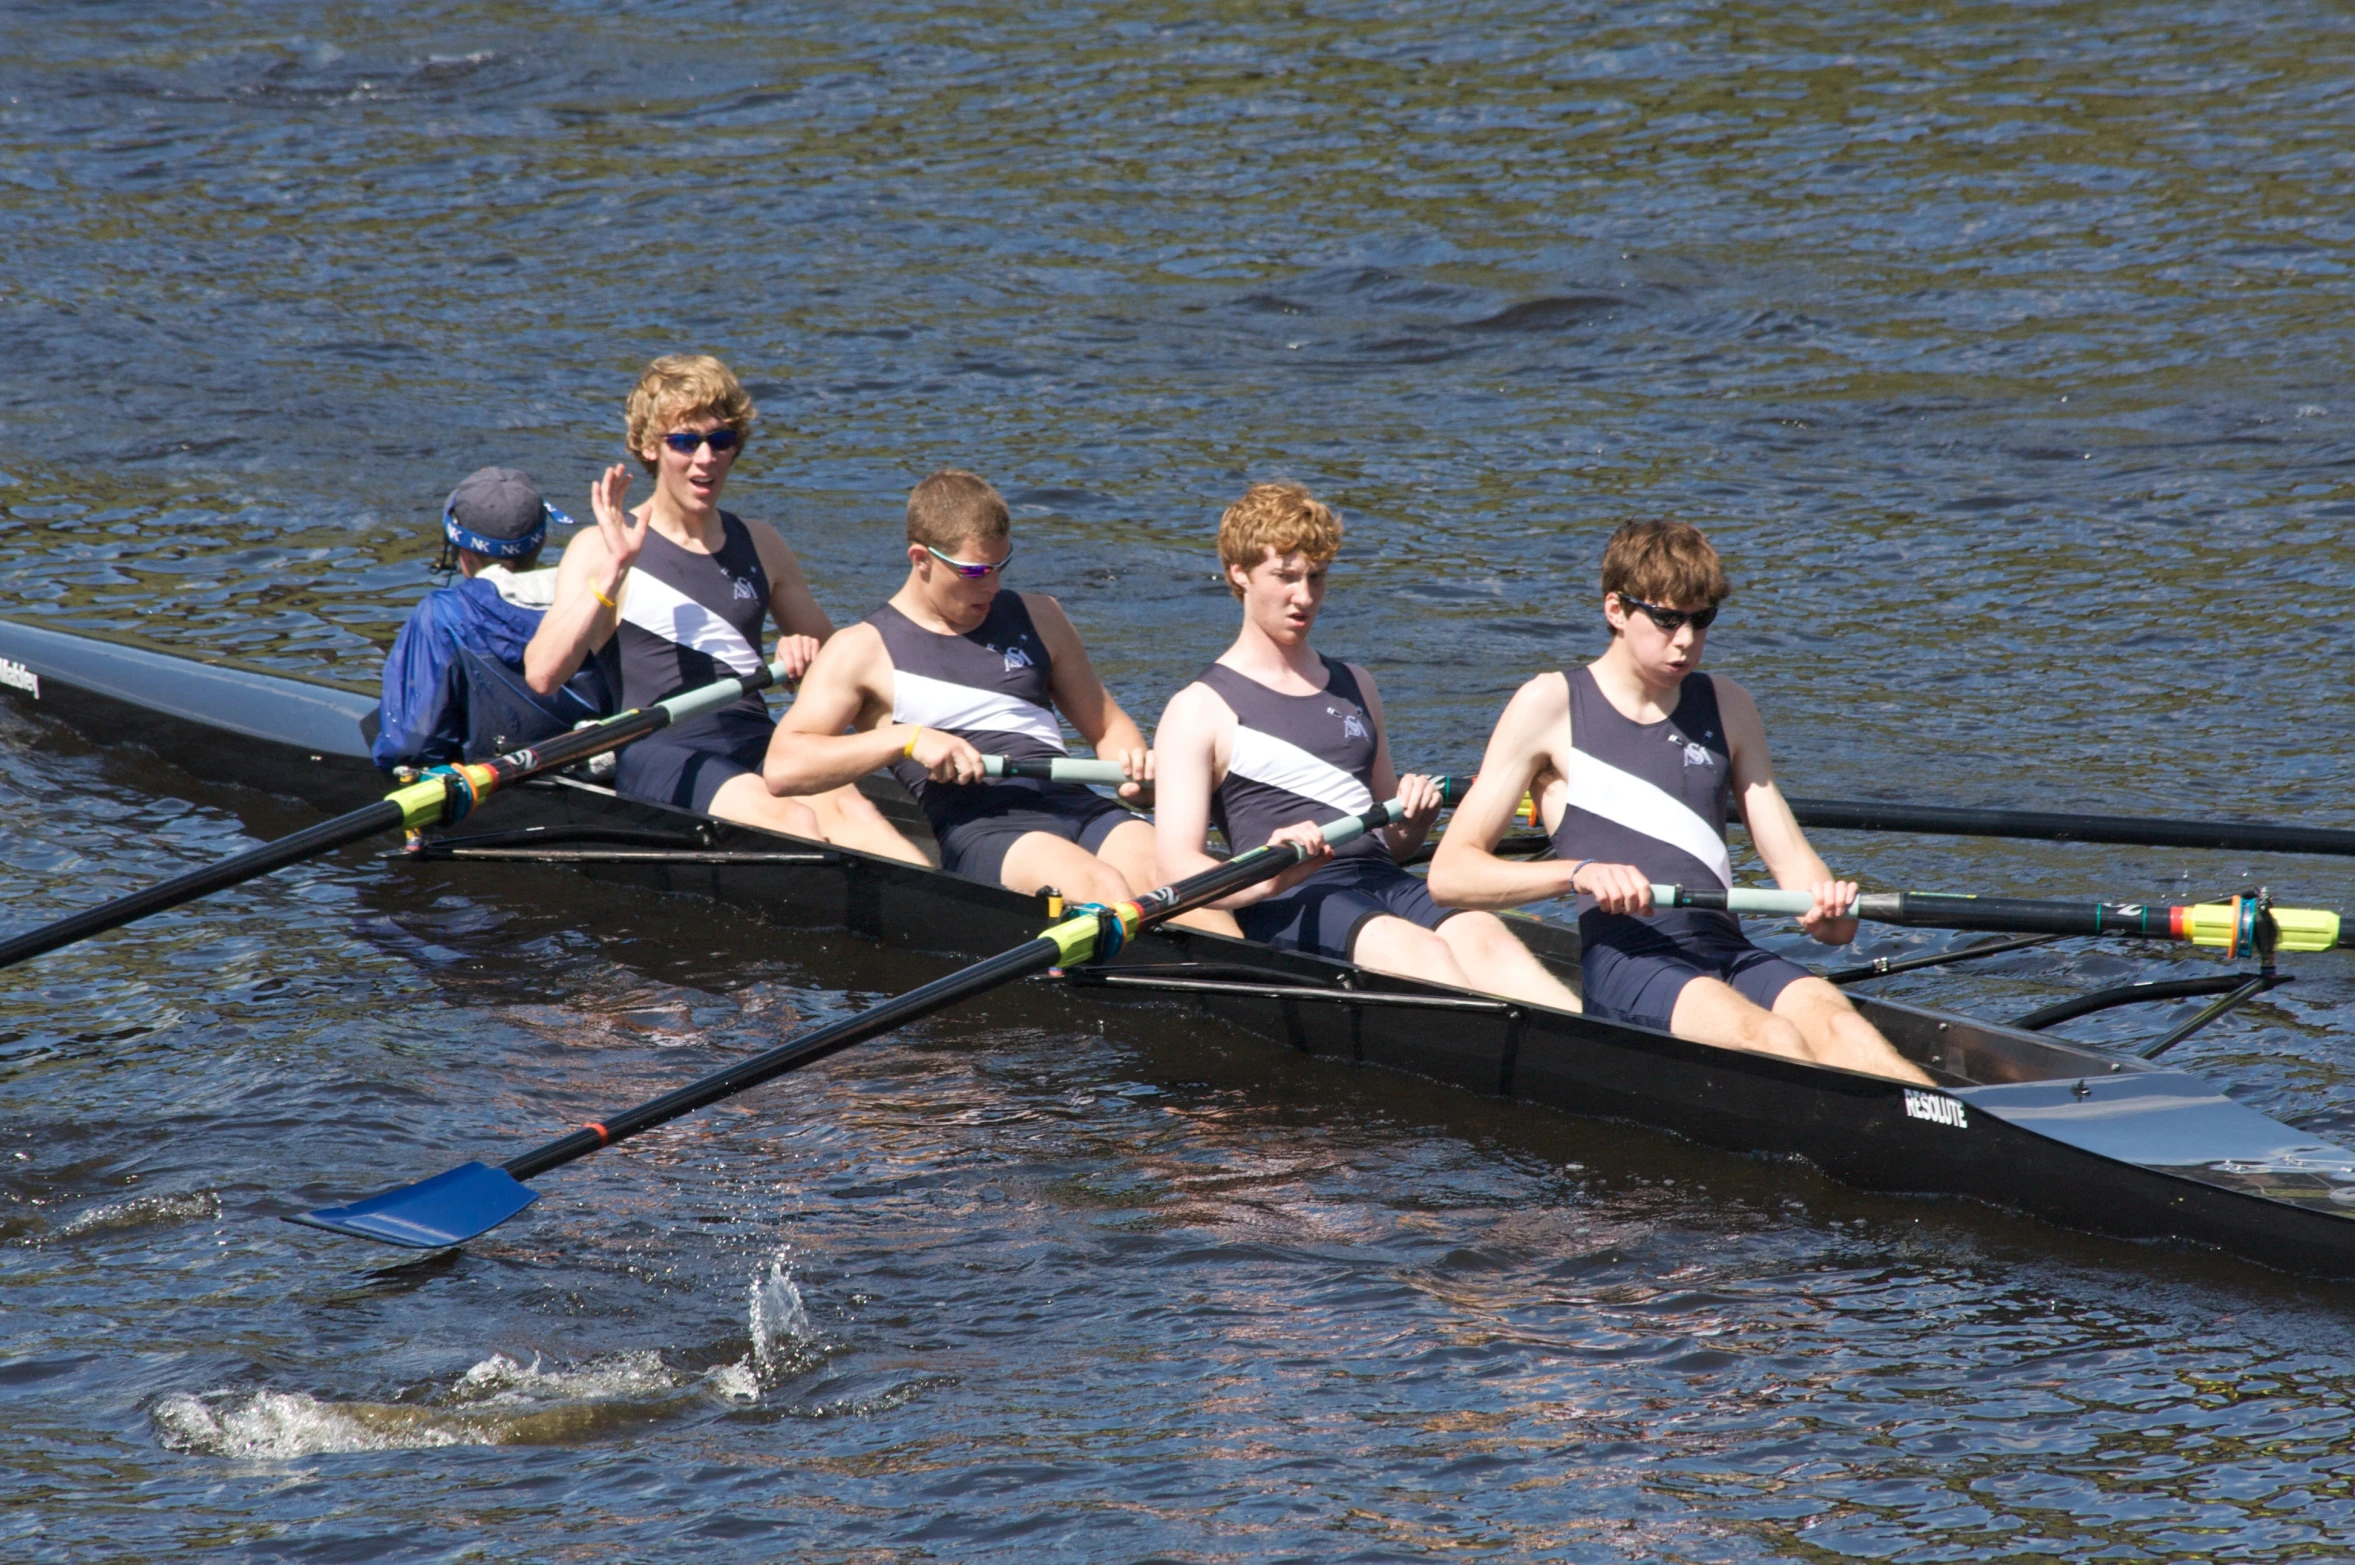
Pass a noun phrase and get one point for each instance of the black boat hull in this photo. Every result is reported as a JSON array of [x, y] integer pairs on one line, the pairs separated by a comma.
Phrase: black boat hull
[[2070, 1135]]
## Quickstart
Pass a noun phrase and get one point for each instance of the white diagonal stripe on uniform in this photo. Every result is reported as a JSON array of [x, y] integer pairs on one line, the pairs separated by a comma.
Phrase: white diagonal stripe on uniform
[[962, 709], [660, 609], [1599, 788], [1279, 763]]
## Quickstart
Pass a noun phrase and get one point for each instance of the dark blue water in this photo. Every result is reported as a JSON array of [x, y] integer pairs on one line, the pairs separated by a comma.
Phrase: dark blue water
[[2002, 349]]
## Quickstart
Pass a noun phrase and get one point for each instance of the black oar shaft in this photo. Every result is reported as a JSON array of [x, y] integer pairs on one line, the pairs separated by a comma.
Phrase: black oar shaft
[[367, 821], [2152, 832], [418, 803], [1035, 957]]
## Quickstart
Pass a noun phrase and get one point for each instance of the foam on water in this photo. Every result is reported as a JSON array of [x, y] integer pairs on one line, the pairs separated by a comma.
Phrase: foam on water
[[190, 1206], [501, 1400]]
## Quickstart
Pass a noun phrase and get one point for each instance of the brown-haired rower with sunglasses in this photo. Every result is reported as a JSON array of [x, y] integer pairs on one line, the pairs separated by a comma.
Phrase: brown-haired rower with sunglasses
[[1636, 761], [952, 669], [673, 595]]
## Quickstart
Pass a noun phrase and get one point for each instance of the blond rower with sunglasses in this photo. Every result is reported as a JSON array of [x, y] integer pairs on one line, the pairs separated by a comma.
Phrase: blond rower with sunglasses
[[952, 669], [1636, 761], [673, 595]]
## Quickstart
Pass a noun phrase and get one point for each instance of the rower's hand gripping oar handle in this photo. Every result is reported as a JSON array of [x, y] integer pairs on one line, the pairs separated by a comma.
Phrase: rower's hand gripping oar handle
[[473, 1198], [2235, 927]]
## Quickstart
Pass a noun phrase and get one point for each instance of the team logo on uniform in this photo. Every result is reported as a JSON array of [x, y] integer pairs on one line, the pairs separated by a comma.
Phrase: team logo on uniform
[[1694, 755], [744, 588], [1015, 657]]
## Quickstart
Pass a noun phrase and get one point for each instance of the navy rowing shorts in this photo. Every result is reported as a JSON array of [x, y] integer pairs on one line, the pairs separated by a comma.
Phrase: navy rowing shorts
[[1323, 914], [1635, 968], [989, 819], [686, 765]]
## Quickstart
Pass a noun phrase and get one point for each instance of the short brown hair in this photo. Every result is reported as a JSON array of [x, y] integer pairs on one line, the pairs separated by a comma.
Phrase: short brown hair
[[1664, 562], [953, 507], [1284, 518], [682, 386]]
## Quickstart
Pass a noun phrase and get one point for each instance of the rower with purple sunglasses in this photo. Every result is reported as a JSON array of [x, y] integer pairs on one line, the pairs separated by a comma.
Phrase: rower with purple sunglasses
[[673, 596], [951, 669], [1636, 761]]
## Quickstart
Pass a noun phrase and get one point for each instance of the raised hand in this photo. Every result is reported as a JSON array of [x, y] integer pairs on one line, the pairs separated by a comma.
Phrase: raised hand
[[623, 538]]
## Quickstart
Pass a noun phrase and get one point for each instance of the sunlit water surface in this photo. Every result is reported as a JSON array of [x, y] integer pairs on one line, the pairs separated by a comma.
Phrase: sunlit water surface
[[2001, 348]]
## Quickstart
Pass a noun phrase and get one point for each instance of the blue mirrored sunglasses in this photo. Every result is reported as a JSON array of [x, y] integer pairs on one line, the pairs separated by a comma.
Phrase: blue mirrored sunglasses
[[686, 442]]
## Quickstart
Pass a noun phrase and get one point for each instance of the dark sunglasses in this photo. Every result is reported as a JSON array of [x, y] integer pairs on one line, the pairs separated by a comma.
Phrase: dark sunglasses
[[1671, 621], [721, 440], [971, 572]]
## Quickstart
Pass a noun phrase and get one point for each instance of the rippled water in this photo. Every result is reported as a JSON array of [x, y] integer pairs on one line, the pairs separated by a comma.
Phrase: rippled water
[[2002, 348]]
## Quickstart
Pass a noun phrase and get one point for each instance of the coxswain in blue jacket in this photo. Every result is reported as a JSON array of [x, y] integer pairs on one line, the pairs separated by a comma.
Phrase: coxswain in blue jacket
[[453, 684]]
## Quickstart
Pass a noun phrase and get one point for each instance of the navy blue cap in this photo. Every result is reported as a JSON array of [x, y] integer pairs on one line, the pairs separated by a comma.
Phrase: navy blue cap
[[497, 512]]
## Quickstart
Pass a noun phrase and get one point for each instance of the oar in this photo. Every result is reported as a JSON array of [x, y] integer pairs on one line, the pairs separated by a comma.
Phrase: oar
[[2232, 926], [474, 1198], [2141, 831], [1062, 768], [443, 794]]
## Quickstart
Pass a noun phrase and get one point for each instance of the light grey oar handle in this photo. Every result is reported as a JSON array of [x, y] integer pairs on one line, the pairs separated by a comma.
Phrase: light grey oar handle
[[1742, 899], [1061, 769], [706, 698], [1351, 827]]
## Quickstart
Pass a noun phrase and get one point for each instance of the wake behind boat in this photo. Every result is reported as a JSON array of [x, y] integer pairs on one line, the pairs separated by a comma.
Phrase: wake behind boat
[[2080, 1137]]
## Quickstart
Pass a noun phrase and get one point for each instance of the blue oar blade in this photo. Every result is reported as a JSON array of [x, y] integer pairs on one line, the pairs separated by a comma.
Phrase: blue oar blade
[[432, 1214]]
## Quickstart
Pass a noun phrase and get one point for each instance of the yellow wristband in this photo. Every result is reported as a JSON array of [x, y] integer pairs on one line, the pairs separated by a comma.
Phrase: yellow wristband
[[909, 749], [601, 598]]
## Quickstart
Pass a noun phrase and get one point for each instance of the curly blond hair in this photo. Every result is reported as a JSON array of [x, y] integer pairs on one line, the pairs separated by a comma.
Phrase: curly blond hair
[[681, 386], [1283, 517]]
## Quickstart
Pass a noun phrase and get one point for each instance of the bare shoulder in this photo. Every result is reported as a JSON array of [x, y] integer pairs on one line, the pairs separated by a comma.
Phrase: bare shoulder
[[587, 548], [858, 645], [776, 555], [1197, 708], [1547, 692], [1046, 612], [1734, 701]]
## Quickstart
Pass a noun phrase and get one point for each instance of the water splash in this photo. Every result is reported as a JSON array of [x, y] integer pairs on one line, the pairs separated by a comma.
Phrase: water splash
[[776, 1315], [782, 1338]]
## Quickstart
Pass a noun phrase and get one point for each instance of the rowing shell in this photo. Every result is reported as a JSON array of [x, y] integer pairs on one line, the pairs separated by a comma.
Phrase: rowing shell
[[2088, 1141]]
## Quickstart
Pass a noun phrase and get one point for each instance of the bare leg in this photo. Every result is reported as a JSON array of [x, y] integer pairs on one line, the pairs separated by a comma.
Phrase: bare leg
[[1708, 1011], [849, 818], [746, 799], [1497, 962], [1129, 849], [1392, 945], [1040, 858], [1837, 1035]]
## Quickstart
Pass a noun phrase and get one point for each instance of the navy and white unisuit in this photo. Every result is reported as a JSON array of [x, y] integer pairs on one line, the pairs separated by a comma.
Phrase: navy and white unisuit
[[688, 619], [993, 688], [1656, 795], [1310, 758]]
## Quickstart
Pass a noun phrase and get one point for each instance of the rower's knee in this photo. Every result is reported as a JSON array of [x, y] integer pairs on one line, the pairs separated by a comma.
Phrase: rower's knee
[[1392, 945]]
